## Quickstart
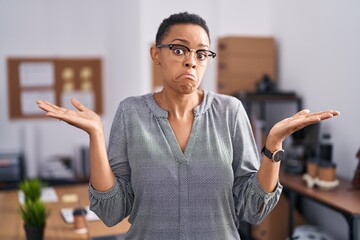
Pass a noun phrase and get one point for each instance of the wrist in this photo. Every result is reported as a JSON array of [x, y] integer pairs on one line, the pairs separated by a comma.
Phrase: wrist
[[96, 132], [273, 145]]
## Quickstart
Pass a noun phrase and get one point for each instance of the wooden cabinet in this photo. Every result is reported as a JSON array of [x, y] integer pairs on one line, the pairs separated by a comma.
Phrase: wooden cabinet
[[243, 61]]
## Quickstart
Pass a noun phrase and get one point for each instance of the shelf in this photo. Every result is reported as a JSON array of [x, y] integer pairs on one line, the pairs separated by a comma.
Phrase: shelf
[[263, 99]]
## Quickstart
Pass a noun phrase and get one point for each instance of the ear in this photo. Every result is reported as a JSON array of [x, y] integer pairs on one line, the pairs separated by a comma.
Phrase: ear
[[154, 53]]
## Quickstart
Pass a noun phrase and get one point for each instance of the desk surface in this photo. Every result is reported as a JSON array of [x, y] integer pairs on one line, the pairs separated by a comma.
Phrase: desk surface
[[11, 224], [343, 197]]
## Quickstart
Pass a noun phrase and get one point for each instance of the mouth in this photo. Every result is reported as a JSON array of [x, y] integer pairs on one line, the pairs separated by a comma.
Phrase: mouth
[[187, 76]]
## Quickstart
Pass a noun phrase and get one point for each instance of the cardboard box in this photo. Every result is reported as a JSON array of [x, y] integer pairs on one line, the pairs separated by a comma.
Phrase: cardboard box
[[234, 83], [276, 225], [244, 45], [243, 61], [241, 64]]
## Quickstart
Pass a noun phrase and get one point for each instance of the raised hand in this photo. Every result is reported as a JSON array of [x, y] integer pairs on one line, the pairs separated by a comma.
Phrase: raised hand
[[268, 174], [84, 118], [287, 126]]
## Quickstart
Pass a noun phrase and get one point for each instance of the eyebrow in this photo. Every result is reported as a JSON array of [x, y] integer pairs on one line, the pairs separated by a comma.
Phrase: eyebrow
[[188, 43]]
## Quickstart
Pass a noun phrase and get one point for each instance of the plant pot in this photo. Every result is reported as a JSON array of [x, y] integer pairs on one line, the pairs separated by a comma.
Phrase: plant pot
[[34, 232]]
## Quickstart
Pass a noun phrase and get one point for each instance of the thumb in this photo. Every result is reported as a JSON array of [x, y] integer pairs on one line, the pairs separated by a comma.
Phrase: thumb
[[77, 104]]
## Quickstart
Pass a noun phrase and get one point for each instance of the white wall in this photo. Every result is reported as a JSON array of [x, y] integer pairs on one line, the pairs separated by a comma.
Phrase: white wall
[[41, 28], [67, 28], [319, 57]]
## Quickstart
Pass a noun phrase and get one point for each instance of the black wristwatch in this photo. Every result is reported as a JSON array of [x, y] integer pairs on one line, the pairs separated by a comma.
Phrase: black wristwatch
[[276, 156]]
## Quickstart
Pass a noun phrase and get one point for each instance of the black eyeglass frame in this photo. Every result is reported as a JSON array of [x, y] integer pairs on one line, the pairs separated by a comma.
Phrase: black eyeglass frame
[[170, 46]]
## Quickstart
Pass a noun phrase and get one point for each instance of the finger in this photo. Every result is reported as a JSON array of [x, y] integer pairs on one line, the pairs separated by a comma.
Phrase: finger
[[52, 109], [57, 107], [323, 115], [302, 112], [78, 105], [54, 115], [326, 116], [49, 107], [333, 112], [45, 106], [301, 122]]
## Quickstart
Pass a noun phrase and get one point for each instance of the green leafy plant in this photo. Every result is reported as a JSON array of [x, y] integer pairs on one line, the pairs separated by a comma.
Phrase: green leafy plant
[[31, 189], [34, 213]]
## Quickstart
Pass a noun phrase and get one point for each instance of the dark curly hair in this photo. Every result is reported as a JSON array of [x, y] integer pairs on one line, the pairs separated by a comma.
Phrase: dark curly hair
[[183, 17]]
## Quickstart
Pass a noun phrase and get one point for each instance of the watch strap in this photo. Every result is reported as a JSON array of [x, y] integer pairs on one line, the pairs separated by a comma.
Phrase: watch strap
[[276, 156], [267, 153]]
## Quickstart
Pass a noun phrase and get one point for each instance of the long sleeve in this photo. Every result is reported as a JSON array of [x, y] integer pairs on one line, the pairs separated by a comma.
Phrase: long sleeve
[[201, 193], [115, 204], [252, 203]]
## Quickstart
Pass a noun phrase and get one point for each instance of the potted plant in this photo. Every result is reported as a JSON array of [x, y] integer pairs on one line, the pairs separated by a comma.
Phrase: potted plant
[[33, 211], [34, 214], [31, 189]]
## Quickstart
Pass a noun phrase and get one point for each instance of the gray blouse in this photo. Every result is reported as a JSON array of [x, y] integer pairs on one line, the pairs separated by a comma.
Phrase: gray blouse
[[201, 193]]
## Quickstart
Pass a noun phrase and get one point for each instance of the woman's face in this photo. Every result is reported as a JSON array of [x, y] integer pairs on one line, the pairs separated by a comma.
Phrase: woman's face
[[182, 76]]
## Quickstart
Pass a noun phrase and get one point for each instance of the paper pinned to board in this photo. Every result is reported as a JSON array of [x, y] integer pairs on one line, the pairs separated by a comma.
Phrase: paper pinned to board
[[36, 74], [29, 98], [48, 194], [87, 98]]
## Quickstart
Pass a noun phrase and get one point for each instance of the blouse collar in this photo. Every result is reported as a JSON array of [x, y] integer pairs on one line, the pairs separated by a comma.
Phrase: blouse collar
[[162, 113]]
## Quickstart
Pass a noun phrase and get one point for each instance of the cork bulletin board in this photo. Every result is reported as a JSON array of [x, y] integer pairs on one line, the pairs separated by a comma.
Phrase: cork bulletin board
[[56, 80]]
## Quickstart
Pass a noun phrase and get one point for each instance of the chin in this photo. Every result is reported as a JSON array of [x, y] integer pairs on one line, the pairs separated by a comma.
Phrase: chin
[[188, 88]]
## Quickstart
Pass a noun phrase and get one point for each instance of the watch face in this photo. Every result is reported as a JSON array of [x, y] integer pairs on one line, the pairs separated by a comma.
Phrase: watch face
[[279, 155]]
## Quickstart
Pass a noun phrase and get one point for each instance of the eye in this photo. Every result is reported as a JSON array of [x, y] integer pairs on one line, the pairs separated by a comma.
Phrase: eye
[[179, 50], [202, 55]]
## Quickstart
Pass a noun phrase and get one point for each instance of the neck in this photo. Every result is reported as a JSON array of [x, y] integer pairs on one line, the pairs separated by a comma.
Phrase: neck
[[179, 105]]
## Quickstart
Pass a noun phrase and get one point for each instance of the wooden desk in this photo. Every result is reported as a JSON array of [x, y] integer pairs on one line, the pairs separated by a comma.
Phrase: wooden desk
[[11, 224], [342, 199]]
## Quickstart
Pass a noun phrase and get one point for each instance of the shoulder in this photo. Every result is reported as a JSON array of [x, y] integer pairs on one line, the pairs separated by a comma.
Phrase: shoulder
[[225, 101], [228, 107], [131, 106], [133, 102]]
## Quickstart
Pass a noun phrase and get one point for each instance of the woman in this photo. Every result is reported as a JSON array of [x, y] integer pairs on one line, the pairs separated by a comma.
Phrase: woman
[[182, 162]]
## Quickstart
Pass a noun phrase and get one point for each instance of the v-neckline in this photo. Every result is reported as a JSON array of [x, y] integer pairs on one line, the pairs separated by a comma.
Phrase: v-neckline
[[174, 144], [162, 116]]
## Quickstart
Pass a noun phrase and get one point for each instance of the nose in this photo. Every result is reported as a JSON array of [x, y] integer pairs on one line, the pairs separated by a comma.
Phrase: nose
[[190, 61]]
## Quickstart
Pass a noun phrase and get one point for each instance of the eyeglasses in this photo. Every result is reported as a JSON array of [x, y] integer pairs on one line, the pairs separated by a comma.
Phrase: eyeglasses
[[180, 53]]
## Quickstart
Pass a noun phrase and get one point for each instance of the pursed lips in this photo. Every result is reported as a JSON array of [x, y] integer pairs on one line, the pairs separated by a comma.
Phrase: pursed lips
[[187, 75]]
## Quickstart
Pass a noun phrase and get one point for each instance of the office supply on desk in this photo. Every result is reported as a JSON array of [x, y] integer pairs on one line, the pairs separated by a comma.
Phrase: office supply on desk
[[11, 224], [70, 198], [48, 195], [321, 174], [67, 214], [321, 184], [79, 220]]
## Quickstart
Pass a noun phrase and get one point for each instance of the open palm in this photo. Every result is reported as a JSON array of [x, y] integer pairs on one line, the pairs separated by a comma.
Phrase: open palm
[[288, 126], [83, 118]]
